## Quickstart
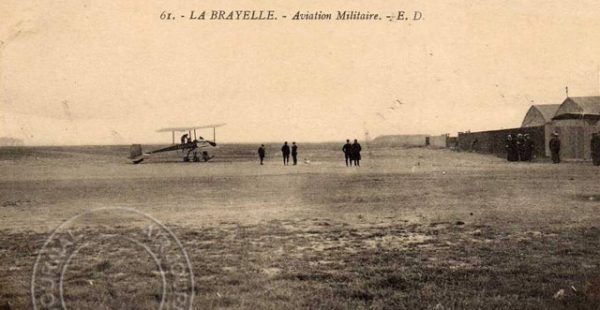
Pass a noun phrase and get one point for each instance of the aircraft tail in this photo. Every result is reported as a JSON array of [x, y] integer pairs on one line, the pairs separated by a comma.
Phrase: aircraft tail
[[135, 153]]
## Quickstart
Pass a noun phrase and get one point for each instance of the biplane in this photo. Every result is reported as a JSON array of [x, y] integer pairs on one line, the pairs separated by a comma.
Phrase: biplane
[[190, 144]]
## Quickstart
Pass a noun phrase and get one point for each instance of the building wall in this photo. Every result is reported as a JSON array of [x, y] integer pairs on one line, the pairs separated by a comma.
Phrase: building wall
[[494, 141]]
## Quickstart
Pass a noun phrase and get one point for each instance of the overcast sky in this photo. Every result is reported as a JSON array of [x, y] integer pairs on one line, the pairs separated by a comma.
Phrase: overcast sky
[[106, 72]]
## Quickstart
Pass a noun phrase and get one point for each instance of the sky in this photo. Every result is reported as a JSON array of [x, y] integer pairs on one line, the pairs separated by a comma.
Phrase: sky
[[112, 72]]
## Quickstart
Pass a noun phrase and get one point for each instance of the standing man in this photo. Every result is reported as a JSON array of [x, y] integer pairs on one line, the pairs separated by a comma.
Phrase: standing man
[[511, 149], [285, 150], [294, 153], [555, 148], [347, 150], [527, 148], [595, 147], [520, 142], [475, 145], [356, 148], [261, 153]]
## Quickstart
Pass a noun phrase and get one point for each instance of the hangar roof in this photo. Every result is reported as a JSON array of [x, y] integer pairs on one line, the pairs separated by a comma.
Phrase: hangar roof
[[579, 107]]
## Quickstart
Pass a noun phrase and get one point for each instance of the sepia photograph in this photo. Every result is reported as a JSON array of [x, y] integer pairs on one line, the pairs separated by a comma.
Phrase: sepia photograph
[[299, 154]]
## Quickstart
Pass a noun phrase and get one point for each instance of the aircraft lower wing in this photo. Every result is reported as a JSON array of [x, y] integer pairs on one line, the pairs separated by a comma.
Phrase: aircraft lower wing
[[185, 146], [175, 148]]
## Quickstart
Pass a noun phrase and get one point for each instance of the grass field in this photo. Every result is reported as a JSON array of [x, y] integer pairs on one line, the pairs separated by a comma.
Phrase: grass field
[[409, 229]]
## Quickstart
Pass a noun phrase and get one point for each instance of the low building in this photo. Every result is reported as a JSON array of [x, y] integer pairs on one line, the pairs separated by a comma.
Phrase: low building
[[440, 141], [402, 140]]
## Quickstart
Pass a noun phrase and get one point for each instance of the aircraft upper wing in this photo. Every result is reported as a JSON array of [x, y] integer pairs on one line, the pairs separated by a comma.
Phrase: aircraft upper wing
[[189, 128]]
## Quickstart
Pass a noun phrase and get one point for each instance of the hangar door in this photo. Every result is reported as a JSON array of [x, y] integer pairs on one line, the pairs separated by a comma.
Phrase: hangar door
[[572, 142]]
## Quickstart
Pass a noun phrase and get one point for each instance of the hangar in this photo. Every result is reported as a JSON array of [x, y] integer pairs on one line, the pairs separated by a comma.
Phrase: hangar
[[575, 121], [539, 115]]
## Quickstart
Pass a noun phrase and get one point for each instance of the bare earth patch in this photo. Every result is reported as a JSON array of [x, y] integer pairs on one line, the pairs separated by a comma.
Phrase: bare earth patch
[[484, 234]]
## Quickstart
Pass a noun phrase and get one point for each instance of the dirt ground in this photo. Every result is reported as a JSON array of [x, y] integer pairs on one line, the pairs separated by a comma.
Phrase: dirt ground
[[410, 228]]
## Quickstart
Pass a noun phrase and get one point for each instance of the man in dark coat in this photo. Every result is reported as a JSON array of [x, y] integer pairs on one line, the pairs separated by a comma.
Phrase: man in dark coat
[[261, 153], [520, 144], [555, 148], [285, 151], [356, 148], [511, 149], [527, 148], [475, 145], [347, 149], [595, 147], [294, 153]]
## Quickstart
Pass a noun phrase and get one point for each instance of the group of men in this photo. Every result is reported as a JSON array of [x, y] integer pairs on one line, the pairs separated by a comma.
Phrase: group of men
[[519, 148], [186, 139], [351, 153], [285, 152]]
